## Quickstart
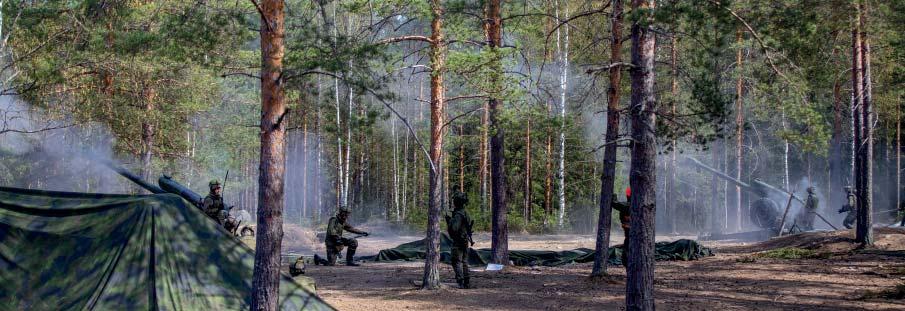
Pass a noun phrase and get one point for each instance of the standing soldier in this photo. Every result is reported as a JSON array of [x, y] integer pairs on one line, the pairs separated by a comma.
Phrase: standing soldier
[[805, 219], [625, 219], [849, 207], [334, 241], [459, 227]]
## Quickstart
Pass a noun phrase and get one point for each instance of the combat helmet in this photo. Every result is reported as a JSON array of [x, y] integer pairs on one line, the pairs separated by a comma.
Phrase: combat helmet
[[214, 184], [459, 199]]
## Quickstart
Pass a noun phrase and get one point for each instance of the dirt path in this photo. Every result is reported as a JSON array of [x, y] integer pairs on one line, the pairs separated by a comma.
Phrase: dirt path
[[727, 281]]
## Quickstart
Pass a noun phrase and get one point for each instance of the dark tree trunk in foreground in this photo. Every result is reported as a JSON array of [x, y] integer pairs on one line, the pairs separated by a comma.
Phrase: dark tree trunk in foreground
[[608, 176], [639, 294], [431, 279], [499, 247], [864, 234], [265, 292]]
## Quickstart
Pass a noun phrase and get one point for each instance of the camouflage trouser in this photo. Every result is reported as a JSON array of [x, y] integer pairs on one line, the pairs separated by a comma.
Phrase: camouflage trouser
[[625, 248], [849, 220], [459, 262], [335, 245], [806, 221]]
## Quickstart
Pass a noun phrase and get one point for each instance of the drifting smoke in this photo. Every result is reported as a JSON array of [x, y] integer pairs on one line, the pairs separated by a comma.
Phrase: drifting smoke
[[41, 152]]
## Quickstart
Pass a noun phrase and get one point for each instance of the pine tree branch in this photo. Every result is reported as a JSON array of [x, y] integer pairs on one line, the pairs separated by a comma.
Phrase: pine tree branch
[[405, 38]]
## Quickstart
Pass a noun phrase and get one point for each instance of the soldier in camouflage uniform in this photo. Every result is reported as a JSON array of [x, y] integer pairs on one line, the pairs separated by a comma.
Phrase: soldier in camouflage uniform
[[625, 218], [849, 207], [805, 219], [213, 207], [334, 241], [459, 227]]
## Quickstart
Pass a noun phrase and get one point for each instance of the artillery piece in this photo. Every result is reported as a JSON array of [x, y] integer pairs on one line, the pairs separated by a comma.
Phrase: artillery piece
[[168, 185], [765, 212]]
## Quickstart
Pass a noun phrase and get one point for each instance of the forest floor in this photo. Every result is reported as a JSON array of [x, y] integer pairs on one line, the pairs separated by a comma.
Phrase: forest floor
[[739, 277]]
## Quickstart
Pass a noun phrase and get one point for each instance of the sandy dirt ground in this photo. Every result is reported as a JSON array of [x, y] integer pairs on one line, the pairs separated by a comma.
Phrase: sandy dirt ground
[[728, 281]]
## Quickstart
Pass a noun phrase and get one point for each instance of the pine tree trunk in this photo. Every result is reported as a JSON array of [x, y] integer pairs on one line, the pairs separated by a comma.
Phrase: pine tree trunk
[[431, 279], [498, 179], [643, 179], [265, 284], [864, 234], [608, 176]]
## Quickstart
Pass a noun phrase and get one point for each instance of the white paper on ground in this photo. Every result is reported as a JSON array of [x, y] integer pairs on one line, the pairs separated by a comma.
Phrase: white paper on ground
[[493, 267]]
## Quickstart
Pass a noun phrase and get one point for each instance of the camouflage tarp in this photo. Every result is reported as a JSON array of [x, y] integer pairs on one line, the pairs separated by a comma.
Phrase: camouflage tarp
[[677, 250], [75, 251]]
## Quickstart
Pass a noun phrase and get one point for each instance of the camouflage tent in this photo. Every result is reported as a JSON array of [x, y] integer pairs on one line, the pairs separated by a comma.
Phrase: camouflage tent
[[75, 251], [677, 250]]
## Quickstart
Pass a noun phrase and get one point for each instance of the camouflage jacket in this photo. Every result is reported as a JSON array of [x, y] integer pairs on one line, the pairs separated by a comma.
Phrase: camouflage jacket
[[625, 212], [459, 227], [212, 206], [335, 228], [811, 203]]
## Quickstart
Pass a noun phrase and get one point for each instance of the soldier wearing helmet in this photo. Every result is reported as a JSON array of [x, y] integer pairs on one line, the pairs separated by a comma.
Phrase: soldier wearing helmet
[[213, 202], [849, 207], [459, 227], [213, 207], [334, 240], [805, 219]]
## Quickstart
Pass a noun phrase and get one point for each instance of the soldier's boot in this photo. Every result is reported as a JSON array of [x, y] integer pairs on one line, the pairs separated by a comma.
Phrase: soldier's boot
[[350, 257], [457, 268], [331, 257], [318, 260], [466, 283]]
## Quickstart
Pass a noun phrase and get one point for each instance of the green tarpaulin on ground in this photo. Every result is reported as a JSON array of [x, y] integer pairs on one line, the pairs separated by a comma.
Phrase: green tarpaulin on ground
[[76, 251], [677, 250]]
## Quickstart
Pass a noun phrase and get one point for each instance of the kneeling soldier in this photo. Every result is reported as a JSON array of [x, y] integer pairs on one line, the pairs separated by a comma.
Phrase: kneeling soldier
[[334, 241]]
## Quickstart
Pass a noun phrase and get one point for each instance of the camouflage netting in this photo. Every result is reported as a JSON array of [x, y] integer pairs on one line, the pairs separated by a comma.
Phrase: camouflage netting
[[75, 251], [678, 250]]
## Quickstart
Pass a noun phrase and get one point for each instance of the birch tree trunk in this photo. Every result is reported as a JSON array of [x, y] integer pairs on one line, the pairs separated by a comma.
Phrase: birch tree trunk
[[643, 179], [265, 284], [147, 133], [563, 88], [431, 279], [608, 176], [739, 128], [671, 200], [527, 213], [304, 165], [395, 171]]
